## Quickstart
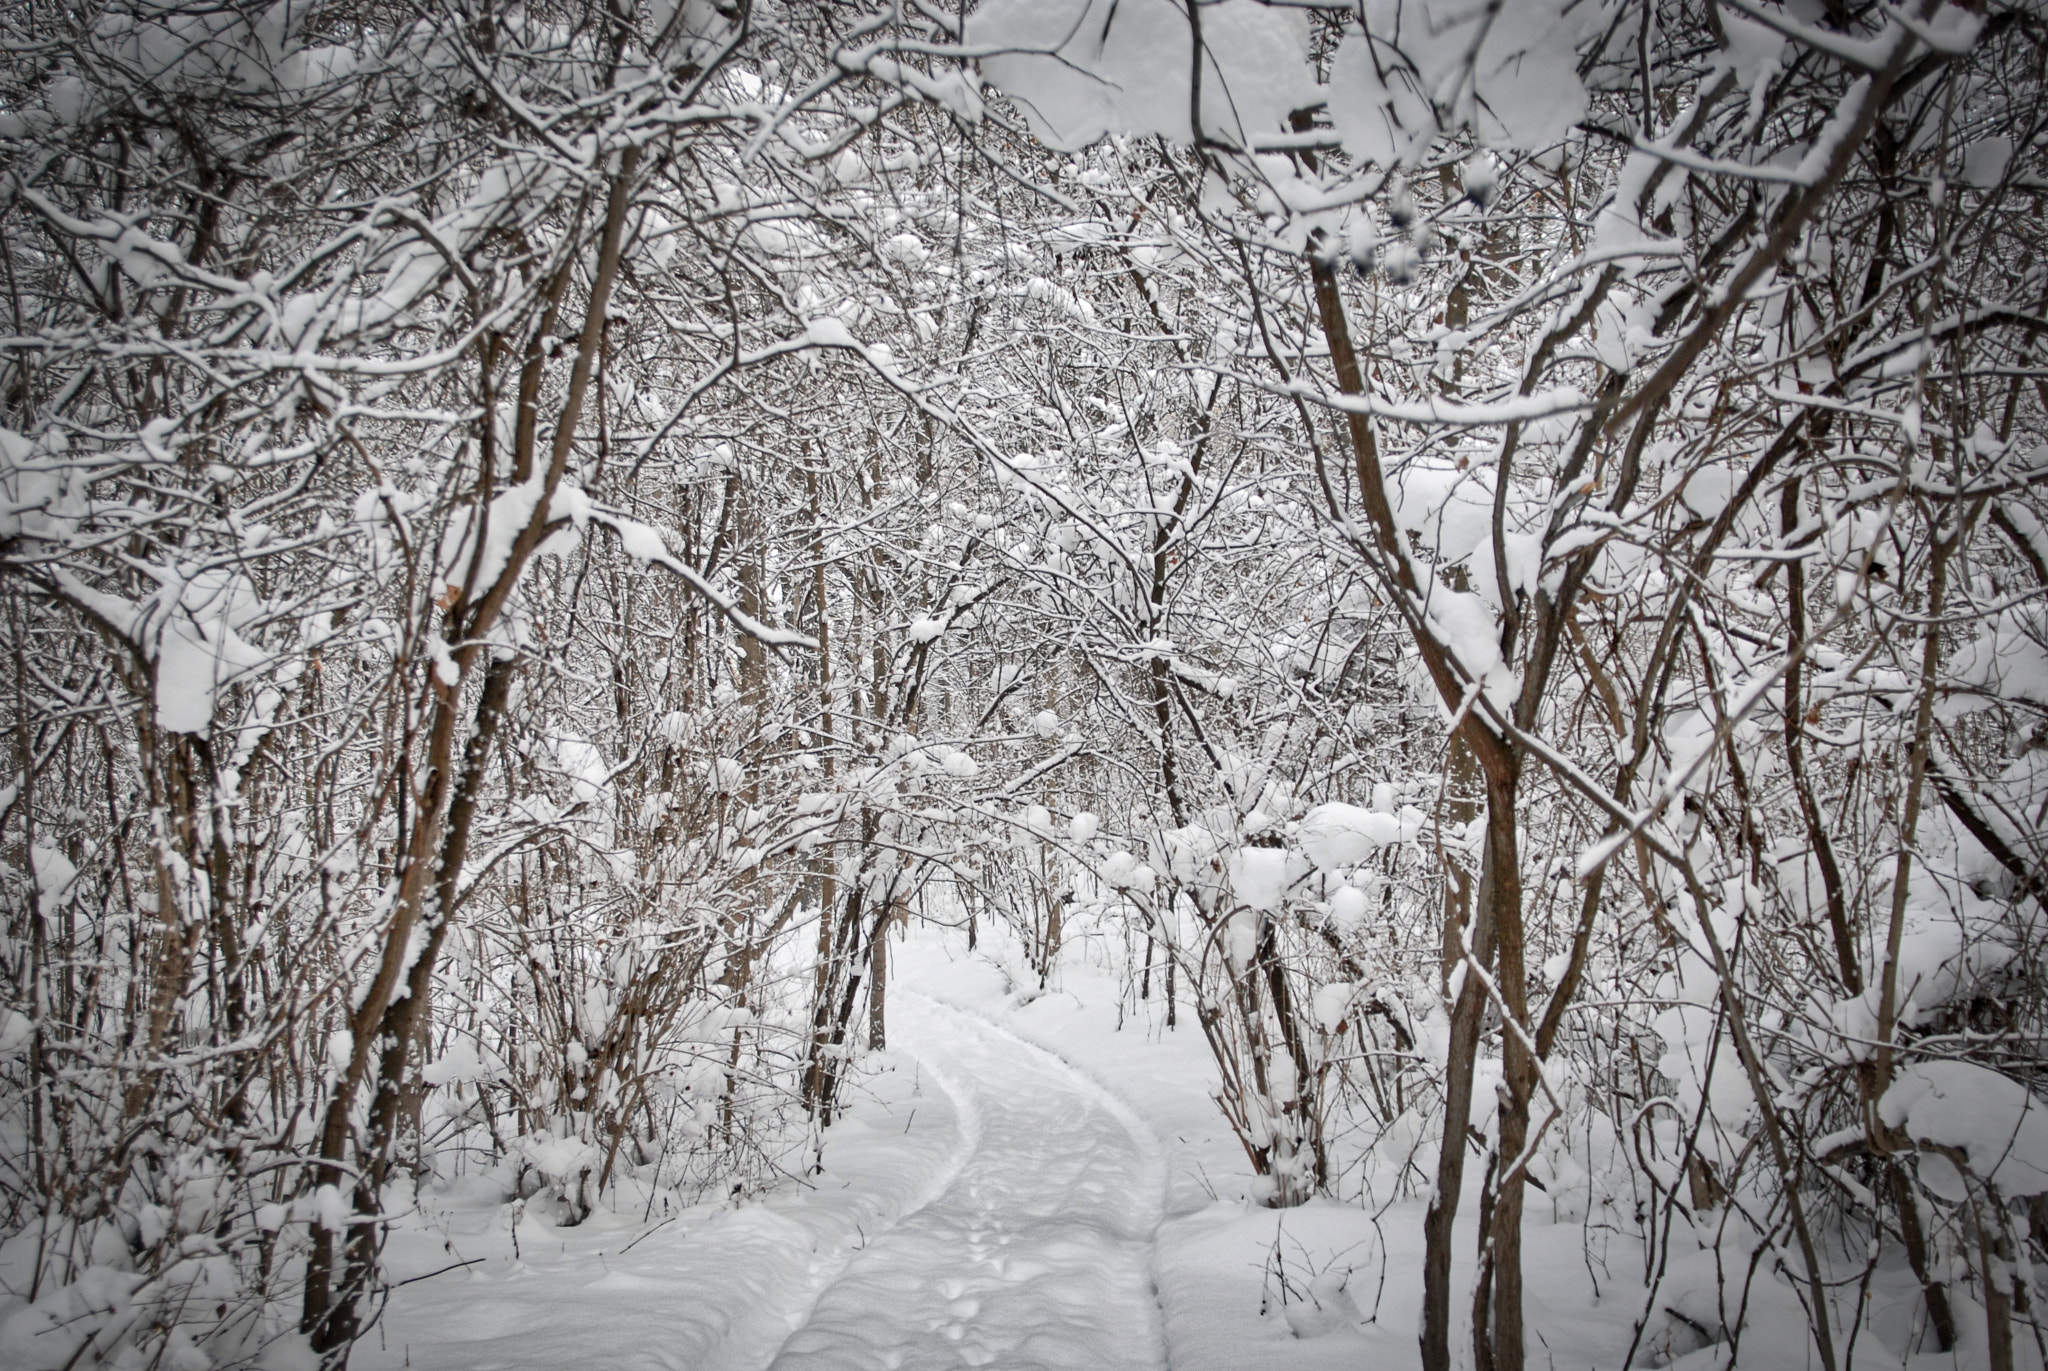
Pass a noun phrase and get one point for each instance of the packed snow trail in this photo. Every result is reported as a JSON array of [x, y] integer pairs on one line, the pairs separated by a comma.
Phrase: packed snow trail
[[1037, 1255]]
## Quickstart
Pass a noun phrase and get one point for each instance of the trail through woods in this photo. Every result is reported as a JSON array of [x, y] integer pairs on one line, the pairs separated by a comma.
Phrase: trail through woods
[[1038, 1252], [1424, 627], [1024, 1180], [982, 1203]]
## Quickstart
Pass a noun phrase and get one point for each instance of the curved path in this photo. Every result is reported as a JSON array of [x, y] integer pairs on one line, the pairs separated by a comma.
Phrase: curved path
[[1037, 1254]]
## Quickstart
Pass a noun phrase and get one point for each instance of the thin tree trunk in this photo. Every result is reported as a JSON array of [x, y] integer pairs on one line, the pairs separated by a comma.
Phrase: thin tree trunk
[[1475, 930], [1503, 884], [1935, 1291], [1846, 959], [878, 982], [1467, 998], [330, 1313]]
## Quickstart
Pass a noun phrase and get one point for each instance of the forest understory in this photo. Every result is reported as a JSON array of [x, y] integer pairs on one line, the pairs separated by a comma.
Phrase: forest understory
[[835, 683]]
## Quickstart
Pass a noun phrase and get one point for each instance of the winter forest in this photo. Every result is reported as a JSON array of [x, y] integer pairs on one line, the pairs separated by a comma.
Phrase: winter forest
[[1034, 683]]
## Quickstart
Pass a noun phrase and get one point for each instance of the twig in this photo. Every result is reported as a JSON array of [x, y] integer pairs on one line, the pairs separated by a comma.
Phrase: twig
[[648, 1234], [455, 1266]]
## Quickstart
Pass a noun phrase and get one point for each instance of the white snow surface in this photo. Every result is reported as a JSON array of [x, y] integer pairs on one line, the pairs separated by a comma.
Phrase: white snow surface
[[1036, 1255], [1339, 835], [1993, 1120], [1518, 57], [718, 1287], [1259, 876], [987, 1205], [1039, 1179]]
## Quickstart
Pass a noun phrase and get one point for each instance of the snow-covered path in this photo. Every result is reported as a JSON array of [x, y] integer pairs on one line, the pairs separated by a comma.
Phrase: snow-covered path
[[1037, 1255], [992, 1196]]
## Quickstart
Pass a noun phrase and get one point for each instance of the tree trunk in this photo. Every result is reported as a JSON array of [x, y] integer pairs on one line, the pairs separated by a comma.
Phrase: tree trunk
[[1935, 1291], [1468, 1003], [1475, 939], [1503, 884], [878, 982], [330, 1313]]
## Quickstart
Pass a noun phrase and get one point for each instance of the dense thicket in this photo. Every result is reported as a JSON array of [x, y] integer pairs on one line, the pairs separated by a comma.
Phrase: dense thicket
[[1491, 557]]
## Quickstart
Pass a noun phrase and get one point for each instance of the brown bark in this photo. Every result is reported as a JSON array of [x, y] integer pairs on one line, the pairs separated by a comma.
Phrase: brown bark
[[1495, 760], [1467, 1011], [1503, 884], [330, 1311], [1846, 960], [1932, 1288], [878, 983]]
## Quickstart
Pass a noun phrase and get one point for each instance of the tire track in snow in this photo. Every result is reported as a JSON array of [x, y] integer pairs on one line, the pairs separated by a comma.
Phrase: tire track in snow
[[1038, 1252]]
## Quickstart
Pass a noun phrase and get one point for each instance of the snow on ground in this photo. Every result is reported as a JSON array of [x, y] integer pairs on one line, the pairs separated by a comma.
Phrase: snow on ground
[[1032, 1179], [1038, 1252], [1221, 1258], [717, 1287], [1222, 1261]]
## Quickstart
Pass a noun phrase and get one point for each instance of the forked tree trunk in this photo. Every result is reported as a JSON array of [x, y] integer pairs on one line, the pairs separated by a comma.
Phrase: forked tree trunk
[[330, 1310], [1468, 1006]]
